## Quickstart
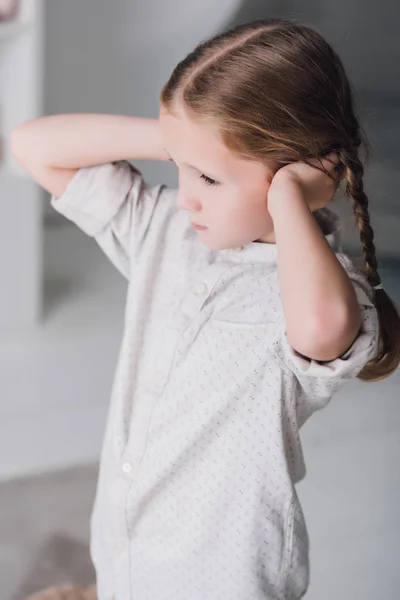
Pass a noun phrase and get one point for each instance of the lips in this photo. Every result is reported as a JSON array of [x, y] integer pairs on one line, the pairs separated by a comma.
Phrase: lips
[[199, 226]]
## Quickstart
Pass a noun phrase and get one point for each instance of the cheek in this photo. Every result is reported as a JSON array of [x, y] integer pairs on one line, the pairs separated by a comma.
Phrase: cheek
[[256, 206], [258, 220], [242, 209]]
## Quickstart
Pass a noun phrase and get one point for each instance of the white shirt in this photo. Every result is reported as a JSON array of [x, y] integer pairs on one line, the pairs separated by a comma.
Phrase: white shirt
[[196, 494]]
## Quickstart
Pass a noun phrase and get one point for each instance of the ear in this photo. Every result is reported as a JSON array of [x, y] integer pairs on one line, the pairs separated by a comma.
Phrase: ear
[[271, 171]]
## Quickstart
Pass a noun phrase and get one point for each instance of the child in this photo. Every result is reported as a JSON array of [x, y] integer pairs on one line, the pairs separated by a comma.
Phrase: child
[[243, 316]]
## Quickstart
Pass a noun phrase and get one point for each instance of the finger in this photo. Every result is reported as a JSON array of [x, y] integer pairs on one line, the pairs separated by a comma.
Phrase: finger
[[332, 160], [329, 162]]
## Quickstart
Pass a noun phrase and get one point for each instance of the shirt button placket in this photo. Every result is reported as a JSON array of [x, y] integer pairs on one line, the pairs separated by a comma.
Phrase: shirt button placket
[[159, 378], [120, 546]]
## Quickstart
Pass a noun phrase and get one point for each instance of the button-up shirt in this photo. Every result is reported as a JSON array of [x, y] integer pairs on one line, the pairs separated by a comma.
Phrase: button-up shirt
[[196, 496]]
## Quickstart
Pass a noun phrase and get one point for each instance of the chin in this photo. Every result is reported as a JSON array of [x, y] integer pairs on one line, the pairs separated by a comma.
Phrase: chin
[[215, 245]]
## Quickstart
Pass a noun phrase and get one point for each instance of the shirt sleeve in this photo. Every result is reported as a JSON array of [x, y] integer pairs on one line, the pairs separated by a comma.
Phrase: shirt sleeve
[[113, 204], [319, 380]]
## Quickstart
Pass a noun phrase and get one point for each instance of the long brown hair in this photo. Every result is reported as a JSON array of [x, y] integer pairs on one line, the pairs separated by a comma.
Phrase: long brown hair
[[278, 93]]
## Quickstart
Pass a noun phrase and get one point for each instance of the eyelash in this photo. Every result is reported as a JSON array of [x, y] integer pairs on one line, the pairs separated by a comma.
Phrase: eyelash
[[208, 180]]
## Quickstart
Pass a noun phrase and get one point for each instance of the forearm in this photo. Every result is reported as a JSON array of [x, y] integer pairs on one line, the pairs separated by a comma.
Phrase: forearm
[[74, 141], [319, 302]]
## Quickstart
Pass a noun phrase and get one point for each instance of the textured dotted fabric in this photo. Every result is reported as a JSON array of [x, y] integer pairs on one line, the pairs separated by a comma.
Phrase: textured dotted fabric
[[196, 495]]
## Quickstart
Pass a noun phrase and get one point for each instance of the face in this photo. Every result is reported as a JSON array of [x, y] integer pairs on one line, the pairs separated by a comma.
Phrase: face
[[224, 193]]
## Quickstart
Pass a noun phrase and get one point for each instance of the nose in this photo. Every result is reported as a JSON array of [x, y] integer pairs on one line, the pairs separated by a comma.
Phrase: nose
[[188, 202]]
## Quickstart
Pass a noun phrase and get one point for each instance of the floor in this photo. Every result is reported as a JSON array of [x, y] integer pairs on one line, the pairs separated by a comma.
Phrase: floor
[[44, 524], [55, 383]]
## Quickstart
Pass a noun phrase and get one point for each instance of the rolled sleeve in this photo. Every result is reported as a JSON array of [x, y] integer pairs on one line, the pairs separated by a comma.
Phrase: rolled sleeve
[[321, 379], [106, 202]]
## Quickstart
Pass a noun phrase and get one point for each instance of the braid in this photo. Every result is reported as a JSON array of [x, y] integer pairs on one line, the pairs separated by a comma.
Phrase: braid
[[388, 352], [355, 191]]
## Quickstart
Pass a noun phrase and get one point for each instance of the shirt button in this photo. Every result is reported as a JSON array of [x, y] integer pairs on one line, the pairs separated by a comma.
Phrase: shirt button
[[127, 467], [240, 248], [201, 289], [119, 545], [159, 377]]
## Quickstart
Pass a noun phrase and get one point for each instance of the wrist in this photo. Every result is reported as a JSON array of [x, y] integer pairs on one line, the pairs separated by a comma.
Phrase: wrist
[[145, 139], [281, 199]]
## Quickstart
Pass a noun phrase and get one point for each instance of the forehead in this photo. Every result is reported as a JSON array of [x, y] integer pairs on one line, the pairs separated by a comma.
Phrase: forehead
[[195, 141]]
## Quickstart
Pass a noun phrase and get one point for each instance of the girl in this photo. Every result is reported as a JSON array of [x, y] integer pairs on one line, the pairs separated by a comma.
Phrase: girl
[[243, 315]]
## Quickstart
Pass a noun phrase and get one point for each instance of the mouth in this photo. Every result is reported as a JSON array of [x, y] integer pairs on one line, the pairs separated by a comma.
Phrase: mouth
[[199, 227]]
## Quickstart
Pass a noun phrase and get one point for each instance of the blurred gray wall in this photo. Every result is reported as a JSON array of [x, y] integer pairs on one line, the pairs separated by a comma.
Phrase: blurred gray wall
[[366, 35]]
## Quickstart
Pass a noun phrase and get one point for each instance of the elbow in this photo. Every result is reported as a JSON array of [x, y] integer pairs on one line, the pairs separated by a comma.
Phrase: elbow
[[18, 143], [14, 141], [23, 142], [326, 337]]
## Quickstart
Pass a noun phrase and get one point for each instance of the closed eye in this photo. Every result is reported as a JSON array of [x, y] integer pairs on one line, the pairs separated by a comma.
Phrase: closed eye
[[208, 180]]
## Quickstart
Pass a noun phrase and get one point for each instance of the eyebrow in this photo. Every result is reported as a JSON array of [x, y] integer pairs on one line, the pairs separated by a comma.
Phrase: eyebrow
[[192, 167]]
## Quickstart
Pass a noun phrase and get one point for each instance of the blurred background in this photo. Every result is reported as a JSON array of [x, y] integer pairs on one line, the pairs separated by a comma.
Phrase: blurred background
[[62, 302]]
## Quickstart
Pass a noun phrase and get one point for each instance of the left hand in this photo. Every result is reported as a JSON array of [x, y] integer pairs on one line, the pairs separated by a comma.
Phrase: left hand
[[317, 188]]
